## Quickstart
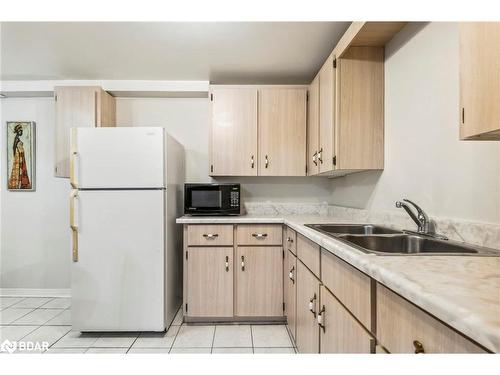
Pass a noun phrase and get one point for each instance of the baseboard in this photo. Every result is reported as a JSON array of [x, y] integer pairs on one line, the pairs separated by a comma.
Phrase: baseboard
[[25, 292]]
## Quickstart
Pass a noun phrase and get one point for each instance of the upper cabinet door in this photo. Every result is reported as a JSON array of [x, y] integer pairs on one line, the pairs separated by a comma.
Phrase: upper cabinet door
[[360, 117], [282, 132], [79, 106], [234, 132], [326, 116], [313, 128], [479, 80], [75, 107]]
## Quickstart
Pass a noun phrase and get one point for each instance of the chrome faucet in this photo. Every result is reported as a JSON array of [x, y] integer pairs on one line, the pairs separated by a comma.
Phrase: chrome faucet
[[421, 218]]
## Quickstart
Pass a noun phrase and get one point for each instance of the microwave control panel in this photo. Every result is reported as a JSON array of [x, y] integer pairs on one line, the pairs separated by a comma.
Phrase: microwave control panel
[[235, 199]]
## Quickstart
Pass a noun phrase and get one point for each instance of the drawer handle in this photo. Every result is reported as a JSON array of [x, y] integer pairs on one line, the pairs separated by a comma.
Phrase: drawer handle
[[259, 235], [312, 305], [291, 276], [321, 319], [227, 264], [211, 236], [243, 263], [419, 348]]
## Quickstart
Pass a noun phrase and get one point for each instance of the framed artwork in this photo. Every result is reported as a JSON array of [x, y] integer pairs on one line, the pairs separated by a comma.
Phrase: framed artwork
[[21, 155]]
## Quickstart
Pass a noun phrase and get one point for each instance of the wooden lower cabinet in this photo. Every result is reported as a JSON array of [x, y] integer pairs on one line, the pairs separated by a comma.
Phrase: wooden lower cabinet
[[209, 282], [307, 336], [290, 291], [259, 281], [340, 332], [404, 328]]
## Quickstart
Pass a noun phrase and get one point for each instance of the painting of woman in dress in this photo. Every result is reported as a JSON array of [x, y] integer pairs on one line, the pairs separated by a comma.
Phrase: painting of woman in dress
[[20, 155]]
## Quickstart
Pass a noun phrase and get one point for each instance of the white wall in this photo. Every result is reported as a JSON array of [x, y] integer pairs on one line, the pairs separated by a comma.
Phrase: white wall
[[35, 239], [187, 120], [424, 160]]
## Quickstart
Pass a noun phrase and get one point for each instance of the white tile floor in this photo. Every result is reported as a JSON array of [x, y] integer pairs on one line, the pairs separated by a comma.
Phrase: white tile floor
[[49, 319]]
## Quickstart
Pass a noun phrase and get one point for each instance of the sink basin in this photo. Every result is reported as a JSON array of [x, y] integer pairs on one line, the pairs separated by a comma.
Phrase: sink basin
[[385, 241], [408, 244], [364, 229]]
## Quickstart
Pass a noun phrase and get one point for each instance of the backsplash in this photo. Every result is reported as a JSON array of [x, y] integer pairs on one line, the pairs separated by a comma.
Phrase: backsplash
[[481, 234], [272, 208]]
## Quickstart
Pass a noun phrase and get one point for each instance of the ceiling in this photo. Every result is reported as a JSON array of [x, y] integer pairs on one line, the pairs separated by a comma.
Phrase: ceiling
[[221, 52]]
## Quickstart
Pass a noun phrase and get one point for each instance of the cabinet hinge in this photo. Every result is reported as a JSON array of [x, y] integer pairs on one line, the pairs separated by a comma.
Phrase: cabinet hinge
[[211, 97], [212, 168], [307, 96], [306, 169], [334, 63], [334, 160], [186, 307], [283, 306], [463, 115], [283, 253], [186, 255]]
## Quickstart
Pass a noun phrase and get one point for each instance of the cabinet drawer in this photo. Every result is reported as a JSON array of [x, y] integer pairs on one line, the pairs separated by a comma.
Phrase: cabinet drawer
[[403, 328], [352, 287], [258, 234], [308, 253], [290, 240], [210, 235]]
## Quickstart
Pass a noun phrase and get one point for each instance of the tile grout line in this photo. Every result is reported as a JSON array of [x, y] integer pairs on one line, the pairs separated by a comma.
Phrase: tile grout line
[[251, 336], [213, 340], [175, 338]]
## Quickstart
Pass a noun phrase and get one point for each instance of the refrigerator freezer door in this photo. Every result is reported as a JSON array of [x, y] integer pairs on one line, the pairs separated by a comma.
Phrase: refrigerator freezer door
[[118, 280], [114, 158]]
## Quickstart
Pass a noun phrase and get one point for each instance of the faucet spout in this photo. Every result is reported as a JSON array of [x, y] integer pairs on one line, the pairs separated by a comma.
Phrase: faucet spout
[[421, 218]]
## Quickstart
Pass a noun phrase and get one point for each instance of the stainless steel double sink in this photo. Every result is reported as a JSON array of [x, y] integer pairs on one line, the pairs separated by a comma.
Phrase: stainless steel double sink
[[386, 241]]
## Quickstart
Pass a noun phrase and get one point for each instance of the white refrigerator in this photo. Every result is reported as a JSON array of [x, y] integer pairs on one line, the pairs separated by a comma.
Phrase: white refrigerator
[[126, 248]]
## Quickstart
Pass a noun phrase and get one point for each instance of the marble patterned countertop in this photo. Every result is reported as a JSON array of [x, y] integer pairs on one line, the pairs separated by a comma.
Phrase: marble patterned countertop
[[462, 291]]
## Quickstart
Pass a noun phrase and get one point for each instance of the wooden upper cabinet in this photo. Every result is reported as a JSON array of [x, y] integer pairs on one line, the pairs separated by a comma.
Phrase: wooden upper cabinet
[[360, 121], [326, 146], [79, 106], [234, 132], [313, 128], [282, 131], [479, 81]]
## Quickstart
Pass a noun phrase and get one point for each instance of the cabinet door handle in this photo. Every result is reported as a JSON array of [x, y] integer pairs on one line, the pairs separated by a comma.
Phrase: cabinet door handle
[[321, 319], [252, 163], [227, 264], [266, 161], [259, 235], [320, 156], [289, 239], [211, 236], [314, 158], [291, 276], [312, 305], [243, 263], [419, 348]]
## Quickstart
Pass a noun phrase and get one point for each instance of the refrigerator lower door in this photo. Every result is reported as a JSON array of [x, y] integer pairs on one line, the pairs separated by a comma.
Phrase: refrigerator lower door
[[117, 281], [117, 158]]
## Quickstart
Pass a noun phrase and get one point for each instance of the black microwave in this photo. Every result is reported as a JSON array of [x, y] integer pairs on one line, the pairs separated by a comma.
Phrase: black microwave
[[212, 199]]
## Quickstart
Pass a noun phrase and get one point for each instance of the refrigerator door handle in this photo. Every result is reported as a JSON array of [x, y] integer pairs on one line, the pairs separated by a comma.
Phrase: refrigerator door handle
[[73, 169], [73, 223]]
